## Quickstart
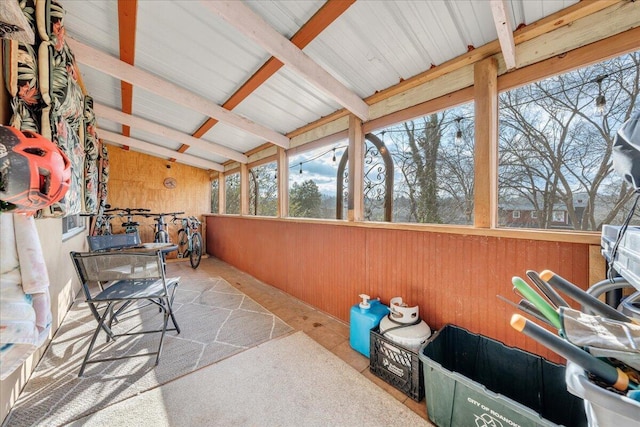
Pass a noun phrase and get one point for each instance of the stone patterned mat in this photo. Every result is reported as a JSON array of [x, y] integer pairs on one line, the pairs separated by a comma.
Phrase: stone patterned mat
[[216, 320]]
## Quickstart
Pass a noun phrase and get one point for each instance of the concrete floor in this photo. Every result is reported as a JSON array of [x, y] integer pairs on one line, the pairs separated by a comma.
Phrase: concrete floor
[[326, 330]]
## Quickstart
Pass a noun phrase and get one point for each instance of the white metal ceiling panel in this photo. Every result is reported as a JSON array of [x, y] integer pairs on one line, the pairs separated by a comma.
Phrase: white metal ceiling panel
[[155, 108], [286, 16], [108, 125], [185, 43], [376, 44], [286, 102], [233, 138], [473, 21], [155, 139], [94, 23], [103, 88], [529, 11], [204, 154]]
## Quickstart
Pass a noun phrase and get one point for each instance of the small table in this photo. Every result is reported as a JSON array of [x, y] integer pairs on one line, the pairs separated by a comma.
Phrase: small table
[[165, 248], [151, 247]]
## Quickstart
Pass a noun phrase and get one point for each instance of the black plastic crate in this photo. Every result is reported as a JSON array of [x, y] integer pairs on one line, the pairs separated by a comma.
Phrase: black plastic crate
[[397, 365]]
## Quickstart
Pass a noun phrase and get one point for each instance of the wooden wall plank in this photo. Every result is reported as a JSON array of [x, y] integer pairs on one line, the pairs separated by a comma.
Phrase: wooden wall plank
[[136, 181], [452, 278]]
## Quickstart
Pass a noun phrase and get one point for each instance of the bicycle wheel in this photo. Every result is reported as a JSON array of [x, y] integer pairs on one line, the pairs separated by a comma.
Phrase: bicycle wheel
[[196, 250], [183, 243]]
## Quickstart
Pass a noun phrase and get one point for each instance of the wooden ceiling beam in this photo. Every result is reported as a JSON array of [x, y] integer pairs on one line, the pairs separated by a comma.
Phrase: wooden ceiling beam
[[260, 32], [328, 13], [106, 63], [505, 32], [127, 16], [108, 113], [158, 151]]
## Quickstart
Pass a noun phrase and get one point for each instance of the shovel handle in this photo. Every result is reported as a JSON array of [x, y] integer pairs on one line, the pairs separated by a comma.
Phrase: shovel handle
[[609, 374], [547, 290], [582, 297], [532, 296]]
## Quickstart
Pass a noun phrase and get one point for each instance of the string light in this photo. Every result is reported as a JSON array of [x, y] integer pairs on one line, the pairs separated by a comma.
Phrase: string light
[[316, 157], [334, 154], [459, 131], [601, 101]]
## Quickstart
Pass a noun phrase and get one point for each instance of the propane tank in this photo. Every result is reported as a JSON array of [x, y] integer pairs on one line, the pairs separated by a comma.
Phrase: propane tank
[[363, 317], [404, 326]]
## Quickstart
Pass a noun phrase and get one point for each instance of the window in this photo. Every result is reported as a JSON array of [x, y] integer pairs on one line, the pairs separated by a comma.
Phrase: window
[[515, 214], [215, 188], [533, 215], [433, 168], [555, 145], [313, 182], [72, 225], [232, 195], [263, 190]]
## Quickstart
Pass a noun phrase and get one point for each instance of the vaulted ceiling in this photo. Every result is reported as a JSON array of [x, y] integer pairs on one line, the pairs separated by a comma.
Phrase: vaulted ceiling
[[210, 82]]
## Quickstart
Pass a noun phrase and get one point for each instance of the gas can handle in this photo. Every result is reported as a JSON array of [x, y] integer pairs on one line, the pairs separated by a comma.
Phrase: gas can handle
[[365, 301]]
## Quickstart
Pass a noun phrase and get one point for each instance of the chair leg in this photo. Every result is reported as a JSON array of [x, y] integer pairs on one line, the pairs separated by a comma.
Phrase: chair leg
[[96, 314], [167, 310], [173, 318], [93, 339]]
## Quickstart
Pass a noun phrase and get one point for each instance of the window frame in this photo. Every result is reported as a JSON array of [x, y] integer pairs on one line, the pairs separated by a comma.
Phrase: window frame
[[68, 233]]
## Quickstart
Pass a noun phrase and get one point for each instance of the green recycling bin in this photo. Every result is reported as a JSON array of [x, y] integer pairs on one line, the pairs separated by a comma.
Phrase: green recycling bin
[[473, 380]]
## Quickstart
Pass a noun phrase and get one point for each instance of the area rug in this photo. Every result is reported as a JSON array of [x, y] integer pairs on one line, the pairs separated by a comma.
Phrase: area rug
[[289, 381], [216, 320]]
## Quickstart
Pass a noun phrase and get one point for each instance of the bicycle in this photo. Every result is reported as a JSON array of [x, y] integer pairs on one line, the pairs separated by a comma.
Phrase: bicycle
[[101, 225], [131, 226], [190, 240], [161, 235]]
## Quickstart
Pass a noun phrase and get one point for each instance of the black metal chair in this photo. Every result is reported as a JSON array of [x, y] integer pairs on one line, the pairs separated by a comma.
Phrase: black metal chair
[[112, 241], [124, 278]]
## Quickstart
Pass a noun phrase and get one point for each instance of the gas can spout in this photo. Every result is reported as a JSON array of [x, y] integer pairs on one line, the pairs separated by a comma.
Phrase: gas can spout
[[365, 301]]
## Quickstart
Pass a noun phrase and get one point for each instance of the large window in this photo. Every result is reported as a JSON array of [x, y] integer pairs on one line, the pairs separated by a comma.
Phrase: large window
[[215, 188], [263, 190], [433, 167], [232, 194], [313, 182], [555, 139]]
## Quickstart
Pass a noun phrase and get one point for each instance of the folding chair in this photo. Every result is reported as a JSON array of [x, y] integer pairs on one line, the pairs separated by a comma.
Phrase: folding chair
[[125, 277], [112, 241]]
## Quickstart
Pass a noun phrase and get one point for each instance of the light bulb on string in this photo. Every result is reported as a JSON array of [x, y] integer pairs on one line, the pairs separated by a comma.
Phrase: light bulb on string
[[601, 101], [458, 139], [334, 154], [300, 168]]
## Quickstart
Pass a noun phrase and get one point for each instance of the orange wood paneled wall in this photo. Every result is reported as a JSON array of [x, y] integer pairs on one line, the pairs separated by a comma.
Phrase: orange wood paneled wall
[[136, 181], [453, 278]]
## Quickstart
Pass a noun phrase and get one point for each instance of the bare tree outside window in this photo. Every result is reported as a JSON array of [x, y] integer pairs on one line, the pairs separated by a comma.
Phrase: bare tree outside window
[[215, 185], [434, 167], [263, 190], [555, 147], [232, 195]]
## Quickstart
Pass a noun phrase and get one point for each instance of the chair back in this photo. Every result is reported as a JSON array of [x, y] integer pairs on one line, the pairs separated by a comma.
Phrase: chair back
[[113, 241], [106, 267]]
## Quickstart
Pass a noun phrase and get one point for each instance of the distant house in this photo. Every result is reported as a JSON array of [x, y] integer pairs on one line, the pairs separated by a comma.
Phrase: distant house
[[521, 213]]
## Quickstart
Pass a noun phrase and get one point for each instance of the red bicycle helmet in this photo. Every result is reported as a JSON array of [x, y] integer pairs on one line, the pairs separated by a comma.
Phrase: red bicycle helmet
[[34, 172]]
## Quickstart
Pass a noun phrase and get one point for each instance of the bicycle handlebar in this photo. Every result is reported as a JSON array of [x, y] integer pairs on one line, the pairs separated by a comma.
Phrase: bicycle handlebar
[[163, 214], [191, 221]]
